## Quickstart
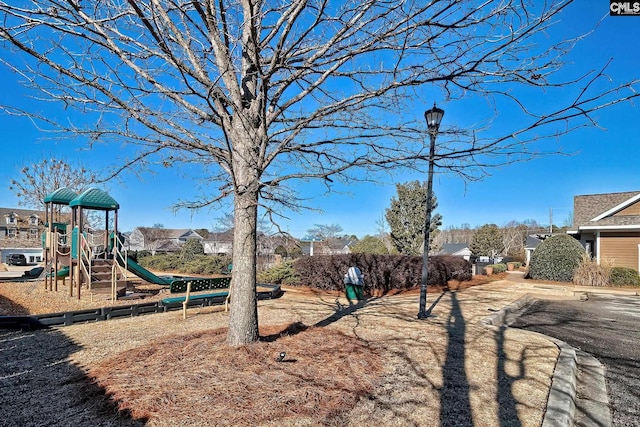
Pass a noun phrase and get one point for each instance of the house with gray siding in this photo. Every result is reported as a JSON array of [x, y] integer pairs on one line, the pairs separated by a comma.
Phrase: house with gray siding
[[160, 239]]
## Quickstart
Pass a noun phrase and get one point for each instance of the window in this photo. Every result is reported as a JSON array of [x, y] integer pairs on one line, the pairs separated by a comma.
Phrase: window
[[11, 233], [11, 219], [33, 233], [33, 220]]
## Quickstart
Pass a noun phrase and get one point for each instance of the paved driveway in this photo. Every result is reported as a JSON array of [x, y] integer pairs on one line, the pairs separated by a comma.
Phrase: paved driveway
[[607, 327]]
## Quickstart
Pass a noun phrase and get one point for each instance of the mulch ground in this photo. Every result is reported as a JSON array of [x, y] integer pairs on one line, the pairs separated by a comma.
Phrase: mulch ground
[[343, 365]]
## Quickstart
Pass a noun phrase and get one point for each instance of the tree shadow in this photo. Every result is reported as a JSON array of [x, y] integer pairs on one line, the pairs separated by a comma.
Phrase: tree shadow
[[39, 385], [340, 311], [344, 311], [291, 329], [507, 411]]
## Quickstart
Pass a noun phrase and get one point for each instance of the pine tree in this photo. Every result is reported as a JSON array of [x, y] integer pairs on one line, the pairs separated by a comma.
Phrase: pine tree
[[406, 217], [487, 241]]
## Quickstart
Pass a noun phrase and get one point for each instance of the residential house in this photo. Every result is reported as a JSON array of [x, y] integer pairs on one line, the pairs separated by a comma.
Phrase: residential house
[[608, 225], [533, 241], [456, 249], [338, 246], [332, 246], [219, 243], [20, 232], [160, 239]]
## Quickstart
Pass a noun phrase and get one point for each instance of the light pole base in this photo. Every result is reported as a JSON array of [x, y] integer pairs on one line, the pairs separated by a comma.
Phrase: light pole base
[[425, 315]]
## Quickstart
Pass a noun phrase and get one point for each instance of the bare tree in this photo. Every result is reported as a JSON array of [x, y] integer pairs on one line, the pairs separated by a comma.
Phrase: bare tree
[[224, 223], [154, 237], [324, 231], [514, 237], [39, 179], [383, 234], [264, 94]]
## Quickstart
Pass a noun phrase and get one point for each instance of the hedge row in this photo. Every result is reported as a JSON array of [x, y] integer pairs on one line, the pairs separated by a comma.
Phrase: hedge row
[[200, 264], [381, 272], [623, 276]]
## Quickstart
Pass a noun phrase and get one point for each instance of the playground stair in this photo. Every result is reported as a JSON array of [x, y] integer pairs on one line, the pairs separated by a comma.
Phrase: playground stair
[[101, 270]]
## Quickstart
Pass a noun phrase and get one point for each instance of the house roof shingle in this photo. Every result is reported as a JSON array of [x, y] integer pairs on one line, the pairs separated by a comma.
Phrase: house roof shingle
[[21, 213], [167, 233], [452, 248], [590, 206]]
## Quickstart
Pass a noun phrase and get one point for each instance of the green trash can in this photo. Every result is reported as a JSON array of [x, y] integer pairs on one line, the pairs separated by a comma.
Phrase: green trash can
[[354, 292]]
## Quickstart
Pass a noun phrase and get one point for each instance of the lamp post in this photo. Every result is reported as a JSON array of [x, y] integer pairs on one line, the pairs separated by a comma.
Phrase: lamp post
[[433, 117]]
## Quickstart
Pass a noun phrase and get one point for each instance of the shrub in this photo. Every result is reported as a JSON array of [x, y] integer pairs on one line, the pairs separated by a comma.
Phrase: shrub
[[282, 273], [498, 268], [161, 262], [191, 249], [458, 268], [200, 264], [205, 265], [381, 272], [516, 264], [624, 276], [589, 273], [556, 258]]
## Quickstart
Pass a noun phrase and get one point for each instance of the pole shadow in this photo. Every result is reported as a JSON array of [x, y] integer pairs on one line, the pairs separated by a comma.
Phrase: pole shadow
[[455, 406]]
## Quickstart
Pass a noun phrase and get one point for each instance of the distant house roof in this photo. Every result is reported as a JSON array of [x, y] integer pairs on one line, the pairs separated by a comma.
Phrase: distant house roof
[[533, 240], [338, 244], [20, 213], [610, 210], [169, 233], [455, 249], [224, 236]]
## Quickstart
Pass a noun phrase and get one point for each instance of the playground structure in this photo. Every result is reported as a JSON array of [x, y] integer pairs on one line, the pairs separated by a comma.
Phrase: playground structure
[[71, 249], [97, 261], [93, 259]]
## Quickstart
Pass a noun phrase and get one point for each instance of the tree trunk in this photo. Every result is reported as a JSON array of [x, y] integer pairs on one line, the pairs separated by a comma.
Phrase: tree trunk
[[243, 315]]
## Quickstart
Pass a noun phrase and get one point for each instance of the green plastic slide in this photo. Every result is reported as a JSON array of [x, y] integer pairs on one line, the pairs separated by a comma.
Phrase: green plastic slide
[[145, 274], [63, 272]]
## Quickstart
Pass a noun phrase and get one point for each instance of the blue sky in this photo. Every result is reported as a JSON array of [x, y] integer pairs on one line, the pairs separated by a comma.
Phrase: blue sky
[[605, 159]]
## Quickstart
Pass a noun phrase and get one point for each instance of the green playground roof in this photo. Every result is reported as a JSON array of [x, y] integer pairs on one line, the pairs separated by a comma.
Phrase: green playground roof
[[94, 198], [62, 196]]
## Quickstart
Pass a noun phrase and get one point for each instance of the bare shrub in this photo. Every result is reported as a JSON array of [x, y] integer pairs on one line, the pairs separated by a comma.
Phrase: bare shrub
[[589, 273]]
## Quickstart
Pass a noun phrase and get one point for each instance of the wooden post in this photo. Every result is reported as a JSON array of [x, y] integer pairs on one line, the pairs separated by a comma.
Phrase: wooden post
[[186, 301]]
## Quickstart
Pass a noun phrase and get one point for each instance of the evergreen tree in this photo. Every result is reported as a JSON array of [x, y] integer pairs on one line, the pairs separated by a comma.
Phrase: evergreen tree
[[370, 245], [406, 217], [191, 249], [487, 241]]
